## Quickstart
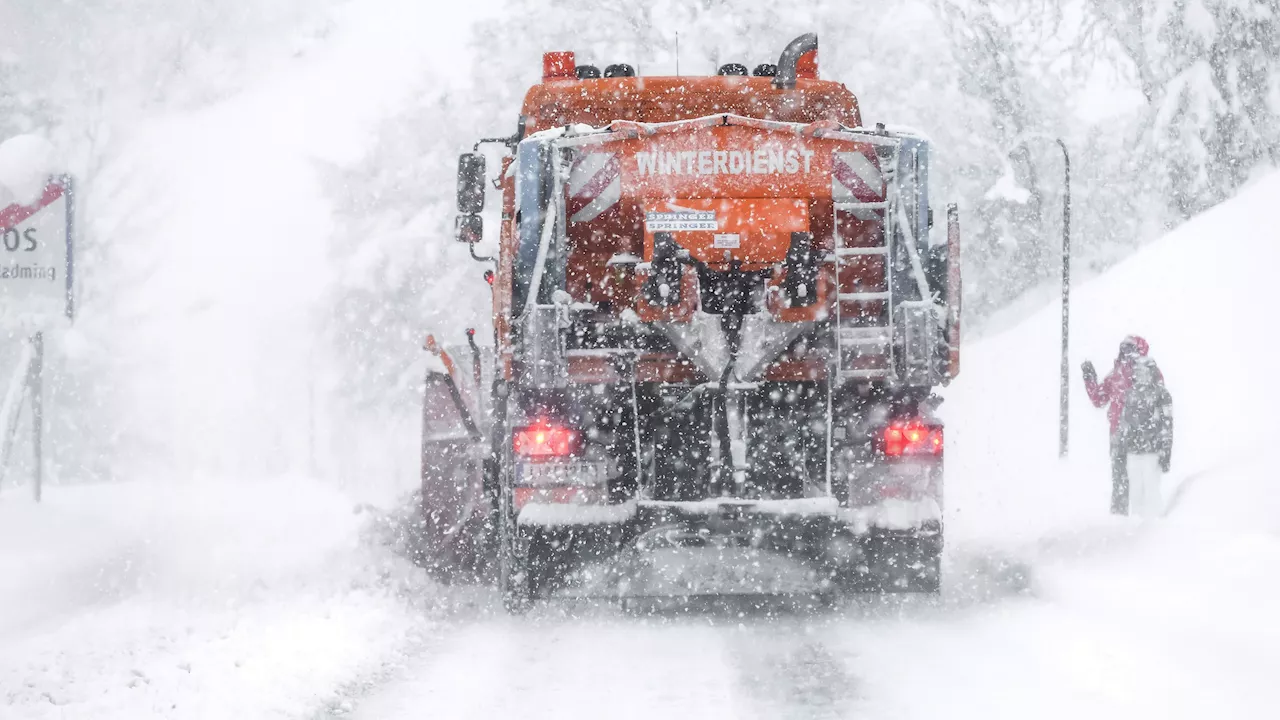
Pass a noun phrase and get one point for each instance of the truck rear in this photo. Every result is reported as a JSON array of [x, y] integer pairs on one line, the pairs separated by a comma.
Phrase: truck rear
[[719, 320]]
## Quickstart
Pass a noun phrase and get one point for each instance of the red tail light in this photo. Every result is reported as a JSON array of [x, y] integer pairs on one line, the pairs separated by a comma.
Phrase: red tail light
[[544, 441], [912, 437]]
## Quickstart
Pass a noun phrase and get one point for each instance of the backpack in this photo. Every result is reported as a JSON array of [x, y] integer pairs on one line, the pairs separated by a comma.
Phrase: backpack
[[1146, 424]]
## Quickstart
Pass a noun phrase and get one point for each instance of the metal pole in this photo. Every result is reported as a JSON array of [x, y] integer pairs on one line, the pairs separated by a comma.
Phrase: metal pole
[[1065, 387], [69, 183], [35, 381]]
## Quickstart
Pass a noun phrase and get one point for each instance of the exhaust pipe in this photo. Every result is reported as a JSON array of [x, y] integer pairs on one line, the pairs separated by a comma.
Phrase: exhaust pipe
[[790, 59]]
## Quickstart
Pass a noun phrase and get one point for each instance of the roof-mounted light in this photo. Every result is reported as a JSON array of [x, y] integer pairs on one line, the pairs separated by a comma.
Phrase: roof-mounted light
[[558, 66]]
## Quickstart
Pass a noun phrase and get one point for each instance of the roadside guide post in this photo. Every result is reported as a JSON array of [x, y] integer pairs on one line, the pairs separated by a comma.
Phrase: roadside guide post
[[1064, 369]]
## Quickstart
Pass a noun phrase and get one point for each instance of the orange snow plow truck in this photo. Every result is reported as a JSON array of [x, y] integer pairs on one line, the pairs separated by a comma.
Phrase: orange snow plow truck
[[720, 313]]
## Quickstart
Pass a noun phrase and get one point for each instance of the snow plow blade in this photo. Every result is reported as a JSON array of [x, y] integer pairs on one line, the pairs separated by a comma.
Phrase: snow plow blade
[[456, 535], [737, 552]]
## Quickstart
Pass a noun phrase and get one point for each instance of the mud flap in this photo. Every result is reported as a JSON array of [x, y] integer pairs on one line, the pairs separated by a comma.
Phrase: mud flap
[[901, 562]]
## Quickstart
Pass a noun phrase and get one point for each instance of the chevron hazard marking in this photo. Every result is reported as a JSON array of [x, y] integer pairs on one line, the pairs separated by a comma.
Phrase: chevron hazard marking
[[856, 178], [595, 185]]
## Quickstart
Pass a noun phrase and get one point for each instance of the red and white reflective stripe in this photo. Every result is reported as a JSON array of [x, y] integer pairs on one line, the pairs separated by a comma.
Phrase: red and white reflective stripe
[[595, 185], [12, 215], [856, 177]]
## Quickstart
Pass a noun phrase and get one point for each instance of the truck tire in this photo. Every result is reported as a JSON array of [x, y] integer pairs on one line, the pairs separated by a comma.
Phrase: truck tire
[[513, 571], [513, 560], [923, 571], [514, 575], [906, 564]]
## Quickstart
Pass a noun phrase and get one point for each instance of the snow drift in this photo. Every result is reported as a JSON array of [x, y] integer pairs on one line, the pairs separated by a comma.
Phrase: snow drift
[[230, 598], [1124, 618]]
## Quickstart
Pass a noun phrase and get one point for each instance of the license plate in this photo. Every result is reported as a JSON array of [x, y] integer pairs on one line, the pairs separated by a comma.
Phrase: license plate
[[579, 474]]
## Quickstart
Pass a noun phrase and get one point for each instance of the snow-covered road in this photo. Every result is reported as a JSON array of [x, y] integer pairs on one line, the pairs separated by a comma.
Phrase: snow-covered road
[[599, 663], [136, 601], [1169, 620], [1113, 619]]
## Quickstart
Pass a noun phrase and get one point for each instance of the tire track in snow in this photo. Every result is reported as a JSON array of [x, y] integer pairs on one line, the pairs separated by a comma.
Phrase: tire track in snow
[[570, 659], [786, 671], [553, 665]]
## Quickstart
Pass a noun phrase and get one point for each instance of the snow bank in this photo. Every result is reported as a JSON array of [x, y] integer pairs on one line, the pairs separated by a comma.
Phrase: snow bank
[[194, 599], [1122, 617], [26, 162], [1201, 297]]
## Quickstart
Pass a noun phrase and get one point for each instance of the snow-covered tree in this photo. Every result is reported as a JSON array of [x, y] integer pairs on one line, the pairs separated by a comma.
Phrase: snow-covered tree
[[1209, 71]]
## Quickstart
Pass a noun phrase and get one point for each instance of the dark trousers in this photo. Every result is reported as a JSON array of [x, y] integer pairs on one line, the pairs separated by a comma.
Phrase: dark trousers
[[1119, 478]]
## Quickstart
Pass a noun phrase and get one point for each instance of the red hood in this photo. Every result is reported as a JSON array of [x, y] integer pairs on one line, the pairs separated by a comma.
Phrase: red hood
[[1140, 343]]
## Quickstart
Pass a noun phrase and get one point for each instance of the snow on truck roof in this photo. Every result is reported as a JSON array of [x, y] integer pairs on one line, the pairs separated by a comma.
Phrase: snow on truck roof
[[598, 102]]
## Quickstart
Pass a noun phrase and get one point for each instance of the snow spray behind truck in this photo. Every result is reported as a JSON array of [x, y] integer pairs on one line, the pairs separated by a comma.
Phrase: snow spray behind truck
[[719, 321]]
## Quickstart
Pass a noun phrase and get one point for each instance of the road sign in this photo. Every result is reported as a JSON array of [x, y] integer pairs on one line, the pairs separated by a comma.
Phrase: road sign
[[37, 257]]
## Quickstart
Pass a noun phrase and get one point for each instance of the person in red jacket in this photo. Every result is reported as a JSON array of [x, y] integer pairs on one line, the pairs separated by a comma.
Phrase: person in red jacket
[[1112, 391]]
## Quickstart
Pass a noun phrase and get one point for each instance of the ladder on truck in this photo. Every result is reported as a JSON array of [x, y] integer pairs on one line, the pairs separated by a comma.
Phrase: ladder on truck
[[885, 330], [864, 337]]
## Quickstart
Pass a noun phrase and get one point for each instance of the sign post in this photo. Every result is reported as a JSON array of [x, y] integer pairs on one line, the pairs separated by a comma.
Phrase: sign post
[[1064, 370], [37, 266], [35, 383]]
